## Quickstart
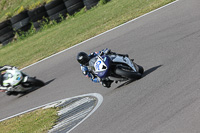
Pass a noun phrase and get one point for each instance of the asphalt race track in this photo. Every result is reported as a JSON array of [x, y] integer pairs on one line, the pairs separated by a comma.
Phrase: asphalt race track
[[166, 100]]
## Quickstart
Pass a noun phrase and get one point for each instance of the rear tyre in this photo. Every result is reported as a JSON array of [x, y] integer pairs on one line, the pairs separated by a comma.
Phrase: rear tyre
[[130, 74], [33, 82], [141, 69]]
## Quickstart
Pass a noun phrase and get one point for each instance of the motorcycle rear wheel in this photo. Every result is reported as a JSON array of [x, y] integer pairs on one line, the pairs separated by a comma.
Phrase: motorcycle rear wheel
[[122, 71], [141, 69], [33, 82]]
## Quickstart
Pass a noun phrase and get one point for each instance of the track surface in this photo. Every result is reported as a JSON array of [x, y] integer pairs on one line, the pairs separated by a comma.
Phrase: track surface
[[165, 100]]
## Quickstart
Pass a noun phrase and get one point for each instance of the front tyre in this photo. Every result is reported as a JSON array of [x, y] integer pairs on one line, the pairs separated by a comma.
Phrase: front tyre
[[130, 74], [33, 82]]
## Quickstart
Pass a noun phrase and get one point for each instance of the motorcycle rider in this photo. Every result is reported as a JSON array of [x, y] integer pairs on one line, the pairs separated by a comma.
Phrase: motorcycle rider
[[83, 58], [9, 89]]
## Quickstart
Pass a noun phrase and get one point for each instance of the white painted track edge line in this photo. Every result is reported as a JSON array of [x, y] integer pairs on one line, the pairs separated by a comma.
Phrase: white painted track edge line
[[99, 97], [100, 100], [102, 33]]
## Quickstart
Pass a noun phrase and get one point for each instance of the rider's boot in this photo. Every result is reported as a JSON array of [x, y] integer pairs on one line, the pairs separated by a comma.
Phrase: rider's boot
[[110, 52], [11, 93], [107, 83], [8, 93], [124, 55]]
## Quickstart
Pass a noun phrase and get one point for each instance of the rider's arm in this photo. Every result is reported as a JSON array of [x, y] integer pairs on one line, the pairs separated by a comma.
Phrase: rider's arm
[[95, 80], [6, 68], [88, 74]]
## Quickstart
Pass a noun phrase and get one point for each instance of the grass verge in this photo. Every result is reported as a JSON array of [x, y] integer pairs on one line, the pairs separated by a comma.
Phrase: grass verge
[[38, 121], [74, 30], [11, 8]]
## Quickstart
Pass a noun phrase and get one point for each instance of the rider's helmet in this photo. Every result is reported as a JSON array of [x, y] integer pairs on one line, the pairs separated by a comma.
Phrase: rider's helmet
[[83, 58]]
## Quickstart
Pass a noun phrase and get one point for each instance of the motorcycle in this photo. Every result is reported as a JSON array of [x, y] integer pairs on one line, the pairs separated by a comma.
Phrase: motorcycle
[[18, 81], [114, 67]]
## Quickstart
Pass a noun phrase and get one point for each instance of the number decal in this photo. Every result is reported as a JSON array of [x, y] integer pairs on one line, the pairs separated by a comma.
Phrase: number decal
[[97, 67]]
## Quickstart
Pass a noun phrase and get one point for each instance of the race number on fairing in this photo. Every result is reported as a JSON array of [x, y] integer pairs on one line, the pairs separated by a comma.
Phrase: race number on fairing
[[99, 65]]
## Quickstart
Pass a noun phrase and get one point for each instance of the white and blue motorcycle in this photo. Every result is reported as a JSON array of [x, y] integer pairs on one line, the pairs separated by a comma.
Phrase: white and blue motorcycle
[[115, 67]]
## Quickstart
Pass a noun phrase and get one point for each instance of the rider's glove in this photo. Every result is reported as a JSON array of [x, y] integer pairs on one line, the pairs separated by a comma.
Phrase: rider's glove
[[107, 51], [101, 53], [96, 80], [13, 68], [5, 68], [91, 75], [84, 70]]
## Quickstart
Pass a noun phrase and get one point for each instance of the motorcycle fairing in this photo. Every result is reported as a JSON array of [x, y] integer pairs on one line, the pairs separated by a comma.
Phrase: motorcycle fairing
[[124, 60], [101, 66], [12, 77]]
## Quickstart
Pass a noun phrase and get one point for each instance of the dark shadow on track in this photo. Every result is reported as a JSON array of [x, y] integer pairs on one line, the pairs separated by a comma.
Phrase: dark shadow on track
[[147, 72], [35, 88], [48, 82], [124, 84]]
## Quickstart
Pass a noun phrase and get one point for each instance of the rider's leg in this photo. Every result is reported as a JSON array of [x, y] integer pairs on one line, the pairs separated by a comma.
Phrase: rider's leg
[[111, 52]]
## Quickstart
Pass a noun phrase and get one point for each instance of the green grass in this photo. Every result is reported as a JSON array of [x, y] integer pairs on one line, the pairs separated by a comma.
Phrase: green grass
[[75, 30], [39, 121], [13, 7]]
